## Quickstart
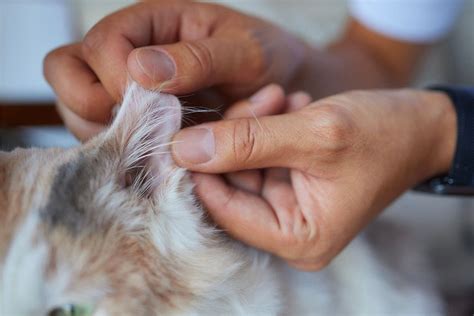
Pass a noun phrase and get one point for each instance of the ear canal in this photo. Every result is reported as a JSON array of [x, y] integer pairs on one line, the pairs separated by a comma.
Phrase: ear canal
[[143, 129]]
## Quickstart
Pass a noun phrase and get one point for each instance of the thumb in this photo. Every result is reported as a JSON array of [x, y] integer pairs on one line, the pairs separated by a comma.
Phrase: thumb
[[246, 143], [186, 67]]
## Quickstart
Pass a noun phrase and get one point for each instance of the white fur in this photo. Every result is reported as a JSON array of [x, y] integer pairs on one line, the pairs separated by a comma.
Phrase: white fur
[[22, 273], [357, 283], [24, 288], [177, 229]]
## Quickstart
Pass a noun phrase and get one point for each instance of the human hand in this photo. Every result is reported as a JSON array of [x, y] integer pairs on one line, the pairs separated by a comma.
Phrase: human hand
[[179, 47], [346, 158]]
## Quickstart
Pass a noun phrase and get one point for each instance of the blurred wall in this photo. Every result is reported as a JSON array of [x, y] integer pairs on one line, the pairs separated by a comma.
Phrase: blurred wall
[[29, 29]]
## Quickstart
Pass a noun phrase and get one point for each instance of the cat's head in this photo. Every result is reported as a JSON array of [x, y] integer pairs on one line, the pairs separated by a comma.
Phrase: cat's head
[[111, 227]]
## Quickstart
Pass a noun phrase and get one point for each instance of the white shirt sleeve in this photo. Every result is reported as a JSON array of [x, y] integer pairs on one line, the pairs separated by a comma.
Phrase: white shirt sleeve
[[419, 21]]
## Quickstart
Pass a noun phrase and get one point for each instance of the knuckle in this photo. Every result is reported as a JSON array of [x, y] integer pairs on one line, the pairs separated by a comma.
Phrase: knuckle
[[51, 60], [244, 136], [333, 123], [302, 243], [86, 106], [291, 248], [201, 58], [81, 107], [259, 63], [54, 55], [333, 127], [93, 42], [308, 249]]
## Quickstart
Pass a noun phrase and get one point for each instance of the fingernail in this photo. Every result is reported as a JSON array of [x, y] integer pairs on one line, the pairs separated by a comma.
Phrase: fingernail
[[262, 94], [195, 145], [155, 64]]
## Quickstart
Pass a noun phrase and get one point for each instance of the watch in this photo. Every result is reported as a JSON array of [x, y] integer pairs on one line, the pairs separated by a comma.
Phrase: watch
[[460, 178]]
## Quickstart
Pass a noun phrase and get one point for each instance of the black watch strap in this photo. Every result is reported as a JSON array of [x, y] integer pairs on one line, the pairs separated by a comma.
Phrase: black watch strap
[[460, 179]]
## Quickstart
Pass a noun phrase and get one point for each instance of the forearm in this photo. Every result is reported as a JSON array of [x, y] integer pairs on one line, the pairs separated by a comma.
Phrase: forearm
[[361, 59]]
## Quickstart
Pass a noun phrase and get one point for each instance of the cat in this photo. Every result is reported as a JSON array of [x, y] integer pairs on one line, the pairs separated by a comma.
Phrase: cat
[[112, 228]]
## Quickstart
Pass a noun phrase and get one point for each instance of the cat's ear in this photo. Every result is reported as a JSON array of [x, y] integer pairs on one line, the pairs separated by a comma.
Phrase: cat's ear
[[143, 129]]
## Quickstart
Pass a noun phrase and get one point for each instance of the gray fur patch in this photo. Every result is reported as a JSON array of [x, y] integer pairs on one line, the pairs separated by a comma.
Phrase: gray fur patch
[[71, 195]]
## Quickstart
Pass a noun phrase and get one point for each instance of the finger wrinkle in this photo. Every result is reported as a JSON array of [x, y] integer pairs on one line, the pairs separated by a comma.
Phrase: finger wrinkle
[[231, 192]]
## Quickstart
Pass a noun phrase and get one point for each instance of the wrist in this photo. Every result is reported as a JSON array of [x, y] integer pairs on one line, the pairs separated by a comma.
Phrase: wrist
[[442, 126]]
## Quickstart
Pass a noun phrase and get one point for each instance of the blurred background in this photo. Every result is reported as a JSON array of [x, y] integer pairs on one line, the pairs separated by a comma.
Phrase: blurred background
[[30, 28]]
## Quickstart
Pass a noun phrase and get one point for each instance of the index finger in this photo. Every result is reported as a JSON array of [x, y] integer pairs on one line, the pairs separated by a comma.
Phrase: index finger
[[107, 45], [76, 85]]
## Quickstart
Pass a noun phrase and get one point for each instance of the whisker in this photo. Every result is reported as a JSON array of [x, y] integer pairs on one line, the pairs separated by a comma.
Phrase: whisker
[[255, 117]]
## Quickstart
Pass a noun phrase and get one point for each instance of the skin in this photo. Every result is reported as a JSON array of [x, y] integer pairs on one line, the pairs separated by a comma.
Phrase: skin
[[302, 179], [325, 169]]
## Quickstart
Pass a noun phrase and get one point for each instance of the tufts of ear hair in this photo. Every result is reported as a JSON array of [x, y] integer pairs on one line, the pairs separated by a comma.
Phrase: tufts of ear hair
[[143, 129]]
